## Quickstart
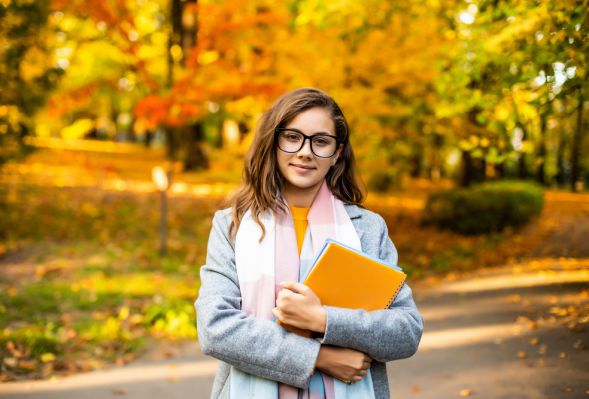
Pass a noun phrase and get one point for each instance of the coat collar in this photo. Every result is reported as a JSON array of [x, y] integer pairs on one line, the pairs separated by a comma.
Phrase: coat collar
[[353, 211]]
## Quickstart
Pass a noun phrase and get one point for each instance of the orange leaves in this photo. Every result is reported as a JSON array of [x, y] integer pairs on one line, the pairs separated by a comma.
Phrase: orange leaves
[[153, 110]]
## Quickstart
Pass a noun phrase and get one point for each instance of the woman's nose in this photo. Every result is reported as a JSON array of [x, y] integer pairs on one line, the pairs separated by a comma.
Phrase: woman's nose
[[306, 148]]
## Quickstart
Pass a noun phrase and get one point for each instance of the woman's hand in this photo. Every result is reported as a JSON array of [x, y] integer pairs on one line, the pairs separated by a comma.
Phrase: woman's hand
[[345, 364], [297, 305]]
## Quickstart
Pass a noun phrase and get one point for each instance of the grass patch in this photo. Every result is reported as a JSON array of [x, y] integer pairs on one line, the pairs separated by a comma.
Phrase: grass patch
[[83, 284]]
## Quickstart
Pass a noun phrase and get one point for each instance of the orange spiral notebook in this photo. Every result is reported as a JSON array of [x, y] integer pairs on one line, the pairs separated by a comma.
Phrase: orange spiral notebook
[[347, 278]]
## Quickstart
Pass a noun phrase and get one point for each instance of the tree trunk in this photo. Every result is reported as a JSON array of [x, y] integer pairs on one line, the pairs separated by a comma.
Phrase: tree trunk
[[576, 148], [468, 172], [521, 161], [499, 170], [416, 160], [560, 170], [175, 37], [195, 157], [482, 170], [436, 158], [172, 143], [541, 171], [184, 34]]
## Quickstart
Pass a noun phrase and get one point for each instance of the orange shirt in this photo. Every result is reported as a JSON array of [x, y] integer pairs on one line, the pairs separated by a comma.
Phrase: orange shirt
[[299, 216]]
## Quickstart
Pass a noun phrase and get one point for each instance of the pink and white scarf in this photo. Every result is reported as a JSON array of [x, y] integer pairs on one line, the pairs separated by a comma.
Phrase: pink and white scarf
[[262, 266]]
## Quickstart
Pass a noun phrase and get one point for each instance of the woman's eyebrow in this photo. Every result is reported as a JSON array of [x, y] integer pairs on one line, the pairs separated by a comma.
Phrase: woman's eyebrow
[[312, 134]]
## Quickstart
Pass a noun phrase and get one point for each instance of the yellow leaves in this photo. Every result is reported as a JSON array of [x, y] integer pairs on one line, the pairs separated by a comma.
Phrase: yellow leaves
[[465, 392], [522, 354], [78, 129], [505, 37], [124, 313], [34, 64], [562, 311], [176, 324], [208, 57], [111, 329], [530, 324], [176, 53], [47, 357]]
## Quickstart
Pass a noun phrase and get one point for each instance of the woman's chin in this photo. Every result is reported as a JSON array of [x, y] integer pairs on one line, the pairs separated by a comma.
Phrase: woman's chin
[[298, 183]]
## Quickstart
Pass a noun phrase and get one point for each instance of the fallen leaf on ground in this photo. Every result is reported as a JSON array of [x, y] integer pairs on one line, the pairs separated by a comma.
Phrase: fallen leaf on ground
[[514, 298], [542, 349], [465, 392]]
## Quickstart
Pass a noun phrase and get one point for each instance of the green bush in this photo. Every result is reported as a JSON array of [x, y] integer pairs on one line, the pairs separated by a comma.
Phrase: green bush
[[484, 208]]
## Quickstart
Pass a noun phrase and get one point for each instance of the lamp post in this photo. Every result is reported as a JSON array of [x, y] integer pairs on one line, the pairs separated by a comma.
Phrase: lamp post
[[162, 181]]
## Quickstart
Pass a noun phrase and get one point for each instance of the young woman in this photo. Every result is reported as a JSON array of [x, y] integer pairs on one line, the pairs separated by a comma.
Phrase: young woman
[[299, 188]]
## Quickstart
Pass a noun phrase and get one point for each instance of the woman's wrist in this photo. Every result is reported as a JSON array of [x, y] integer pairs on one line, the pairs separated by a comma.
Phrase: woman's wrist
[[320, 320]]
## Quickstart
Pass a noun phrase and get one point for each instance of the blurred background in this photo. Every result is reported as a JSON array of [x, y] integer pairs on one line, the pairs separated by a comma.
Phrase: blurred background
[[123, 125]]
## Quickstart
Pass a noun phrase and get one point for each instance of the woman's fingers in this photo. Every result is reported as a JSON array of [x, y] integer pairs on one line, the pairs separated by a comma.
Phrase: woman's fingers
[[294, 286], [278, 314]]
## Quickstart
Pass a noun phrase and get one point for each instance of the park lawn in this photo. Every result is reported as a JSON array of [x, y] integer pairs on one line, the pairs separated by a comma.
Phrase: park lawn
[[82, 283]]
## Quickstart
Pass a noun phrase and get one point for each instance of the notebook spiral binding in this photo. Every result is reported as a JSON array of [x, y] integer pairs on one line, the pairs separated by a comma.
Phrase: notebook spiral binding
[[394, 295]]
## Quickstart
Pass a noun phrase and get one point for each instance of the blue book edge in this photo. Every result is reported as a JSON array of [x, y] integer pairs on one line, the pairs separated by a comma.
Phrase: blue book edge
[[331, 240]]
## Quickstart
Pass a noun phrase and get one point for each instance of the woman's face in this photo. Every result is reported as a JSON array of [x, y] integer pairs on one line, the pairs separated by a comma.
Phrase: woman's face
[[304, 171]]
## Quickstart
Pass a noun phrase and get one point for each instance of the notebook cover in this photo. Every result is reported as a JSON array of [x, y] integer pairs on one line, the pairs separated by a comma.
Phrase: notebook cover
[[346, 278]]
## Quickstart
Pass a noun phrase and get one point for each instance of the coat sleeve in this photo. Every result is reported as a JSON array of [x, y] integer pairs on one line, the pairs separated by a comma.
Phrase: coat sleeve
[[258, 347], [384, 335]]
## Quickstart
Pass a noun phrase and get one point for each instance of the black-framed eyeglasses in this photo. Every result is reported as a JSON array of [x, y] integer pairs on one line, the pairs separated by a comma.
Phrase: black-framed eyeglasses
[[291, 140]]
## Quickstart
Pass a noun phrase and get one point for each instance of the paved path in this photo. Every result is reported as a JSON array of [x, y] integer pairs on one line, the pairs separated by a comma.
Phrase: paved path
[[504, 333]]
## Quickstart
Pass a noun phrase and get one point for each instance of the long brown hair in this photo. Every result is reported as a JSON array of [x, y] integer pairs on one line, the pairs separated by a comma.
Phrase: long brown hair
[[262, 181]]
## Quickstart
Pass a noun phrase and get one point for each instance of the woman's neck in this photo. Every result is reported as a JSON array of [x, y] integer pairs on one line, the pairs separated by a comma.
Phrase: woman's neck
[[301, 197]]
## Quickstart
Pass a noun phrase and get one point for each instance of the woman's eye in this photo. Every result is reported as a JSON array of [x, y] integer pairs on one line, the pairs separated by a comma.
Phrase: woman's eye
[[321, 141], [292, 137]]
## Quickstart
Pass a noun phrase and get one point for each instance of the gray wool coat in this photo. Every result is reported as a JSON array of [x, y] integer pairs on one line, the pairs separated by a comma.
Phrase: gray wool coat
[[263, 348]]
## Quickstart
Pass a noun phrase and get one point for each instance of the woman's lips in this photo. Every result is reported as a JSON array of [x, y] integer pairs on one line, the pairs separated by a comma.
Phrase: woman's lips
[[302, 168]]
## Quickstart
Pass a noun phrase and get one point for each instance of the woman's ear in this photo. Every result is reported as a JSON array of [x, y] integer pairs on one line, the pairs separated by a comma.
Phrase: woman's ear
[[337, 155]]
